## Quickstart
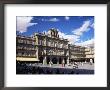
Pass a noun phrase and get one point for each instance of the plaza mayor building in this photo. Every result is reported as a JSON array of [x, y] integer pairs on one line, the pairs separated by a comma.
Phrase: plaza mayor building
[[46, 47], [76, 53], [50, 47], [81, 53], [25, 48]]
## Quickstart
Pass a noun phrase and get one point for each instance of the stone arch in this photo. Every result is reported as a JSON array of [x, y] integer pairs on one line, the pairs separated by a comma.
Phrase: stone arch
[[60, 60], [65, 59], [54, 60], [41, 59]]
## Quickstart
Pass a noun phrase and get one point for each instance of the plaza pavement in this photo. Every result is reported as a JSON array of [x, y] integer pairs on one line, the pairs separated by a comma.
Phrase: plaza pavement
[[86, 66]]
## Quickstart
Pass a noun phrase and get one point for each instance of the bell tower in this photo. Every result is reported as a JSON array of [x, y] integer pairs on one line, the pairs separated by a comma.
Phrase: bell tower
[[53, 33]]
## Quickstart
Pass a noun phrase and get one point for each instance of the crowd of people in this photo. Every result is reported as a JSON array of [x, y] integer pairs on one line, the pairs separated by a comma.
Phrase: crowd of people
[[24, 68]]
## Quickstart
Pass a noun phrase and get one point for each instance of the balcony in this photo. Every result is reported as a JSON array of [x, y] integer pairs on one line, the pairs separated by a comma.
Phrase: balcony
[[25, 55], [25, 48]]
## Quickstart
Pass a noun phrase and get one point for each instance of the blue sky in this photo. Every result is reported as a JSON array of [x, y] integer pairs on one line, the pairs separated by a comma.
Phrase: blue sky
[[78, 30]]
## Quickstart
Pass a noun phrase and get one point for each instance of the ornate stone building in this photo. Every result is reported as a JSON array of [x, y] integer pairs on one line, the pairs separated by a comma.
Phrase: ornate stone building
[[46, 47], [76, 53], [81, 53], [50, 47], [89, 52], [25, 48]]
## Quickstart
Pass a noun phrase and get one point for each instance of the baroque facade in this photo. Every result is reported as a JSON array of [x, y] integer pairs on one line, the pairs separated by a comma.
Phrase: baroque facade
[[51, 48], [46, 47]]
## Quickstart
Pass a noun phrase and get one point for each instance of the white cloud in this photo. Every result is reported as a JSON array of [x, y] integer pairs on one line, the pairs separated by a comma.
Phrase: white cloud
[[71, 38], [74, 38], [77, 33], [89, 42], [67, 18], [83, 28], [92, 25], [53, 19], [23, 22]]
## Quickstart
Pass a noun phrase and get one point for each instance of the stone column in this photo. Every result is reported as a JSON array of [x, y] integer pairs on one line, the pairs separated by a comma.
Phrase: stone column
[[37, 55], [45, 61], [45, 58], [64, 62], [68, 60], [57, 60]]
